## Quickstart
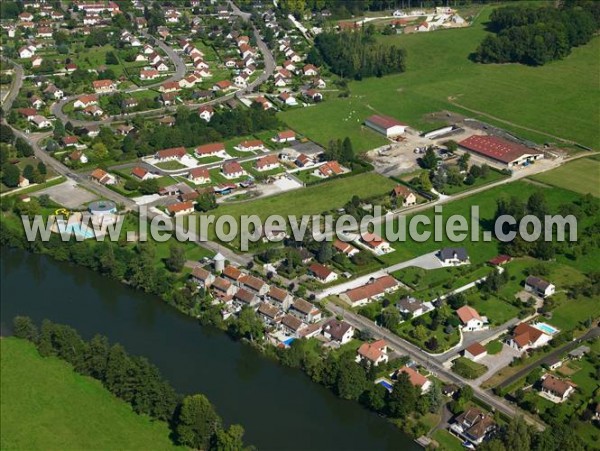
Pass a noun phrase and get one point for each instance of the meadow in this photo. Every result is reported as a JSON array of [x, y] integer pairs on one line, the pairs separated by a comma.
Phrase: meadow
[[46, 405], [581, 176], [559, 99]]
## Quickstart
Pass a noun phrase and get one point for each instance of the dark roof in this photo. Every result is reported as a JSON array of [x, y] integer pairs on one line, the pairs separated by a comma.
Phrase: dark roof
[[537, 283], [336, 328], [454, 252]]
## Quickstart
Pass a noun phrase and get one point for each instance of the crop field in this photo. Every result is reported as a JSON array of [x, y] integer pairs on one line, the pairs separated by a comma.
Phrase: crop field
[[581, 176], [440, 76], [46, 405]]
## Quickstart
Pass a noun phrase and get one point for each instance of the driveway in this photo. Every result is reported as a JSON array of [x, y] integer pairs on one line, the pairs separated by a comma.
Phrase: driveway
[[496, 362]]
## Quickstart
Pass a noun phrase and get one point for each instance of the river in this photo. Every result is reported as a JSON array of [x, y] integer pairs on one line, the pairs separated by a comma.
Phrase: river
[[280, 408]]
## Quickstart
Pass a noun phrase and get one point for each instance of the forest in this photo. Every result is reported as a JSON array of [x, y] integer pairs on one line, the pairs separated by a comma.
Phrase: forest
[[356, 55], [534, 36]]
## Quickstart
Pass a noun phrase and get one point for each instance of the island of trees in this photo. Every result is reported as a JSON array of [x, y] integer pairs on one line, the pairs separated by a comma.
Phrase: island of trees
[[533, 35], [356, 55]]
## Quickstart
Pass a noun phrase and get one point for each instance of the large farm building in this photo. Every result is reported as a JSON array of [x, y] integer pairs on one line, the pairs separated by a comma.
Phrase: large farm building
[[500, 150], [386, 125]]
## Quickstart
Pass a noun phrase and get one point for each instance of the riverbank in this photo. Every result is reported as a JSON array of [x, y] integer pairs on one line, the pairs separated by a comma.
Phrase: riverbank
[[44, 404], [271, 401]]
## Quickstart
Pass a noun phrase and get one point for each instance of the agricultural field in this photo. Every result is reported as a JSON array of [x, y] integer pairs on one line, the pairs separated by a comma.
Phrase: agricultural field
[[581, 176], [440, 76], [46, 405]]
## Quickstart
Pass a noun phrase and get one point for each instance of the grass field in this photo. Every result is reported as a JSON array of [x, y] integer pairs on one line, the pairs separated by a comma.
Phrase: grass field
[[46, 405], [581, 176], [493, 347], [447, 441], [560, 98]]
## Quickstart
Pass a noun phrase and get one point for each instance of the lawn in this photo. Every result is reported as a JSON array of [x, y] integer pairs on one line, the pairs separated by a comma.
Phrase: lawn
[[479, 251], [493, 347], [46, 405], [312, 200], [439, 72], [497, 310], [447, 441], [581, 176], [468, 369], [170, 165]]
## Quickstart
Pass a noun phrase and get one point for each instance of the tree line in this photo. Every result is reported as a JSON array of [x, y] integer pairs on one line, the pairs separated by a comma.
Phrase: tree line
[[533, 35], [192, 419], [356, 55]]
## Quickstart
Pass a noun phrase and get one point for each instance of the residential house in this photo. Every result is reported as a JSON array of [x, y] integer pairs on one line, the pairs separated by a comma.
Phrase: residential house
[[526, 337], [53, 92], [93, 110], [223, 289], [174, 153], [211, 150], [267, 163], [287, 99], [475, 352], [140, 173], [375, 243], [36, 102], [232, 274], [345, 248], [338, 331], [245, 297], [170, 86], [310, 71], [199, 176], [104, 86], [36, 61], [329, 169], [555, 389], [23, 182], [222, 86], [253, 284], [181, 208], [40, 121], [103, 177], [322, 273], [303, 160], [313, 95], [285, 136], [292, 325], [473, 425], [373, 290], [453, 256], [85, 100], [306, 311], [206, 112], [540, 287], [264, 102], [410, 307], [372, 353], [269, 314], [280, 298], [250, 145], [77, 156], [149, 74], [415, 378], [404, 196], [232, 170], [471, 320]]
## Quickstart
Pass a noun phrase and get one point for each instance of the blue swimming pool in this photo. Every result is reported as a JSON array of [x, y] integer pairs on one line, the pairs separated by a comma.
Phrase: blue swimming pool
[[386, 384], [289, 341], [547, 328], [76, 229]]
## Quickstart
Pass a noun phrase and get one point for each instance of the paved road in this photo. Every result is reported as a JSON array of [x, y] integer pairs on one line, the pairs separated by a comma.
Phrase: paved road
[[593, 333], [15, 87], [403, 347]]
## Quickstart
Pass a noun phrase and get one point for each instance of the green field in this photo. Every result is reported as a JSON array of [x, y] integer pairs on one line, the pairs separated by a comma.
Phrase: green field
[[581, 176], [46, 405], [560, 98]]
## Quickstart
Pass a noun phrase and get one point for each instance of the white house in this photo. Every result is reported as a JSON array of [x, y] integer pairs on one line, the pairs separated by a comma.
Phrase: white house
[[539, 287], [415, 378], [555, 389], [453, 256], [180, 209], [475, 352], [338, 331], [526, 337], [471, 320], [376, 244], [372, 353], [322, 273], [199, 176]]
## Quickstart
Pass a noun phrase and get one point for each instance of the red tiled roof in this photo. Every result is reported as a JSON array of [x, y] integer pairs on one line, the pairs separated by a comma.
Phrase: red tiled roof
[[496, 148], [375, 288], [372, 351], [182, 206], [139, 172], [385, 121], [320, 271], [211, 148], [266, 161], [467, 313], [197, 173], [172, 152], [416, 378], [476, 349]]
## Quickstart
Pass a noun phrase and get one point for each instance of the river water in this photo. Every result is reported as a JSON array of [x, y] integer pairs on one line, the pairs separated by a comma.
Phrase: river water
[[280, 408]]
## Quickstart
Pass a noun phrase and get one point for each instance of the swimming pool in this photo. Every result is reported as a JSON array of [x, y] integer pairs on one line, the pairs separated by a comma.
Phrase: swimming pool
[[76, 229], [385, 383], [289, 341], [546, 328]]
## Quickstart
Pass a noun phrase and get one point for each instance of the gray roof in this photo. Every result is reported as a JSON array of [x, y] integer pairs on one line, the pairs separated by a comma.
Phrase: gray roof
[[409, 304], [454, 252], [538, 283]]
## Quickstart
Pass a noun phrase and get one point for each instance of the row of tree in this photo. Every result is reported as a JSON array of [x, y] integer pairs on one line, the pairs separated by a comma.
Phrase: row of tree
[[356, 55], [193, 419], [535, 36]]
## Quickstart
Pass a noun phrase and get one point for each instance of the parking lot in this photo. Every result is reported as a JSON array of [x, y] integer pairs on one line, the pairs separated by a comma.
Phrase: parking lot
[[68, 194]]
